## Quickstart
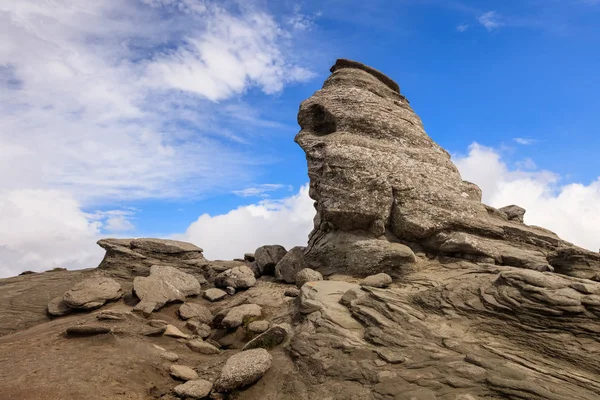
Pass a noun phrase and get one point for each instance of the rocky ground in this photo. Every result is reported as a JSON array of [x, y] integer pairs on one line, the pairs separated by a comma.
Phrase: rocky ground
[[409, 289]]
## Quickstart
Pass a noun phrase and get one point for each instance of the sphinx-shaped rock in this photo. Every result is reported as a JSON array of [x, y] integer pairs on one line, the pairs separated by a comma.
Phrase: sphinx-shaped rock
[[380, 183]]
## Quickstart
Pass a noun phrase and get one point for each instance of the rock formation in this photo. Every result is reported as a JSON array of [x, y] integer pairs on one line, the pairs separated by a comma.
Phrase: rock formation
[[409, 289]]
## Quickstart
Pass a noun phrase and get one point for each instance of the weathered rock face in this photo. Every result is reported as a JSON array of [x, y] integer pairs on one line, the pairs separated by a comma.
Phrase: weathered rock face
[[134, 257], [377, 179]]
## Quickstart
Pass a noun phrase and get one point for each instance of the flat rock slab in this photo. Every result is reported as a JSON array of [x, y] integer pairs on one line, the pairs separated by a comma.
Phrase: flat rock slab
[[243, 369], [197, 311], [214, 294], [92, 293], [196, 389], [57, 307], [272, 337], [237, 315], [87, 330], [164, 285], [183, 372], [202, 347], [173, 331]]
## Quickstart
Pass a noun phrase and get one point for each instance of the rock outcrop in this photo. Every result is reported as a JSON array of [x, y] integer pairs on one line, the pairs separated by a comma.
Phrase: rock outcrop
[[379, 183]]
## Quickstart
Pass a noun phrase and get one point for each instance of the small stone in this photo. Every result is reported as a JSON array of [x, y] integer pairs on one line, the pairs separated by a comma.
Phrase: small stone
[[57, 307], [145, 308], [230, 290], [154, 331], [258, 326], [200, 329], [111, 315], [157, 323], [243, 369], [196, 389], [390, 356], [292, 292], [169, 356], [183, 372], [198, 311], [87, 330], [274, 336], [378, 281], [173, 331], [237, 315], [307, 275], [201, 347], [214, 294]]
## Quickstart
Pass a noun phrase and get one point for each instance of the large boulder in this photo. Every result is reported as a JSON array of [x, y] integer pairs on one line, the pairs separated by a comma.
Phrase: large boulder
[[307, 275], [240, 314], [267, 257], [378, 180], [292, 263], [240, 277], [92, 293], [164, 285], [243, 369]]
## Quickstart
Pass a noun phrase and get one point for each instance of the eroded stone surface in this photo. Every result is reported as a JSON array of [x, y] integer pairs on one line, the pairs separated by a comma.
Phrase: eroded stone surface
[[243, 369], [92, 293]]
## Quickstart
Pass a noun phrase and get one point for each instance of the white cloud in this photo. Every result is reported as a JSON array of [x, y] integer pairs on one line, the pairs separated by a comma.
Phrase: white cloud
[[259, 190], [490, 20], [524, 141], [286, 222], [571, 210], [300, 21], [462, 28]]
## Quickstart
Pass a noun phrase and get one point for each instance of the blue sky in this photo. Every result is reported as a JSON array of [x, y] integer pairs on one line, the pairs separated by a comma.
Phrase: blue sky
[[134, 118]]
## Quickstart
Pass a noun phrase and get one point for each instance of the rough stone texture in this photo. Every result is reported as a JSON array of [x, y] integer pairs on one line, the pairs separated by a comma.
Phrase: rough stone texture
[[243, 369], [238, 278], [164, 285], [57, 307], [267, 257], [135, 257], [87, 330], [237, 315], [173, 331], [92, 293], [307, 275], [378, 179], [202, 347], [513, 212], [379, 281], [258, 326], [292, 292], [183, 372], [289, 266], [272, 337], [197, 311], [200, 329], [196, 389], [214, 294]]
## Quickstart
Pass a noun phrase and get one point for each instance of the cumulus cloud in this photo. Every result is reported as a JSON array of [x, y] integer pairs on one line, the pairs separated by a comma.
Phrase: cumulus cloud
[[490, 20], [572, 210], [286, 222], [97, 110]]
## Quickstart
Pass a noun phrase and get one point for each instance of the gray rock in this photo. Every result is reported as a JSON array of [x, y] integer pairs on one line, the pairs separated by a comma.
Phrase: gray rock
[[230, 290], [164, 285], [243, 369], [202, 347], [169, 356], [267, 257], [513, 212], [238, 278], [292, 292], [289, 266], [249, 257], [238, 315], [379, 281], [57, 307], [197, 311], [214, 294], [92, 293], [307, 275], [87, 330], [198, 328], [196, 389], [258, 326], [183, 372], [272, 337]]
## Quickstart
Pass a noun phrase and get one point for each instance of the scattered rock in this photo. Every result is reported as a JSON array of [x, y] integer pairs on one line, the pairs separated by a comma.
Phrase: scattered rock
[[230, 291], [200, 329], [238, 278], [381, 280], [243, 369], [258, 326], [92, 293], [513, 213], [202, 347], [183, 372], [214, 294], [307, 275], [391, 356], [273, 337], [289, 266], [238, 315], [57, 307], [197, 311], [111, 315], [169, 356], [173, 331], [267, 258], [157, 323], [159, 331], [292, 292], [196, 389], [164, 285], [87, 330], [249, 257]]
